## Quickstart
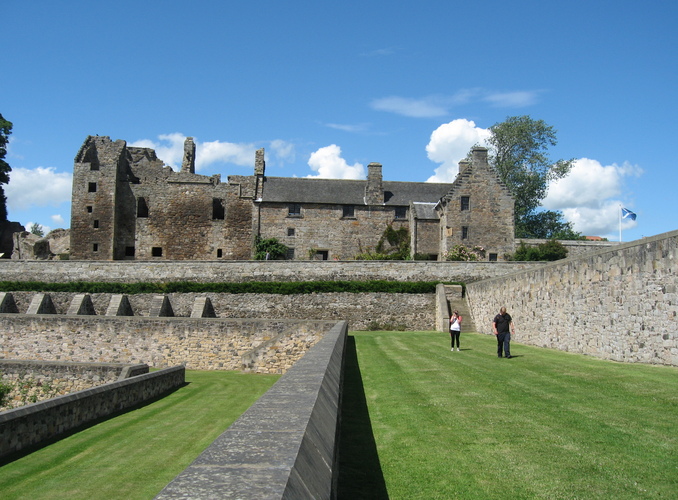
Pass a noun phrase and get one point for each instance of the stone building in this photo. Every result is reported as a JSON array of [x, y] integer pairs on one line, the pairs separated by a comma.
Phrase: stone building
[[128, 205], [478, 210]]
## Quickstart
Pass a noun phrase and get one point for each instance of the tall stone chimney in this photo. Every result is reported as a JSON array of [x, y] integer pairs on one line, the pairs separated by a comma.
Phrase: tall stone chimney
[[188, 163], [259, 162], [374, 189], [479, 155]]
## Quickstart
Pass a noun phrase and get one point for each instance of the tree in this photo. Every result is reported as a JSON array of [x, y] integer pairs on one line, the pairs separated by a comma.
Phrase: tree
[[5, 169], [394, 244], [271, 247], [37, 229], [550, 251], [519, 153]]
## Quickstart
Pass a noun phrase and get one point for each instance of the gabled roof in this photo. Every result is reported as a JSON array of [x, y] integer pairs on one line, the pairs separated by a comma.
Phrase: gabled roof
[[347, 192]]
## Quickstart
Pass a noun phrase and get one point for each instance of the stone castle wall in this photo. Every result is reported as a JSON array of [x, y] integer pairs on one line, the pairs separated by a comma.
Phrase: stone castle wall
[[619, 304], [256, 345], [246, 271]]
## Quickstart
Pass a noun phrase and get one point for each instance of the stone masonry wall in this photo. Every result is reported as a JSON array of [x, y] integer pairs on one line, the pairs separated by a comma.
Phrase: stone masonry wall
[[47, 379], [244, 271], [264, 346], [619, 304]]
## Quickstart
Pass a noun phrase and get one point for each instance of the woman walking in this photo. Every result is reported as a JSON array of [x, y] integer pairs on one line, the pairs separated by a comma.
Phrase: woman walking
[[455, 328]]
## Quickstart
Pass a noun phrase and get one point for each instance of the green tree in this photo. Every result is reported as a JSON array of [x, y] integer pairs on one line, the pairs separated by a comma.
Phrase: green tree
[[270, 246], [519, 153], [37, 229], [550, 250], [5, 169]]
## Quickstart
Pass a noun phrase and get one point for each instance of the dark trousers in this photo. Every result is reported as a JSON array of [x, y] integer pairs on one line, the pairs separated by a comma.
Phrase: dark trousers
[[503, 342], [455, 335]]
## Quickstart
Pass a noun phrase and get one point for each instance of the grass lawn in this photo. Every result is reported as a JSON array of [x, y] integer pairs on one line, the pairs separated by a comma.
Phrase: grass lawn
[[545, 424], [134, 455]]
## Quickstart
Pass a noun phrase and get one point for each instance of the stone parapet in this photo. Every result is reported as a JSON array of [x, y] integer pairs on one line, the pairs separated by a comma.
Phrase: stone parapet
[[33, 424], [283, 446], [246, 271]]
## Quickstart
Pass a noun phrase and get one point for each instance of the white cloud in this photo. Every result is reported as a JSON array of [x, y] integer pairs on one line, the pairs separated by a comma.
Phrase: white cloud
[[358, 128], [427, 107], [440, 105], [518, 99], [329, 164], [38, 187], [450, 143], [170, 149], [589, 196], [57, 219], [283, 151]]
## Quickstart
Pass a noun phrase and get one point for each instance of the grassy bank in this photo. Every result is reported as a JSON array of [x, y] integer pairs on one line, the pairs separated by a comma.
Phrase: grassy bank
[[136, 454], [545, 424]]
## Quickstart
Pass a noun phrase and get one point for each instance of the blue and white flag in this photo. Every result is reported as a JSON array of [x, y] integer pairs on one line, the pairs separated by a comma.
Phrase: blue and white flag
[[627, 214]]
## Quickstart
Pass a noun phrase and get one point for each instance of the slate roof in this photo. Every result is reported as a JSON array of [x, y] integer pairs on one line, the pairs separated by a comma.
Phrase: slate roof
[[425, 211], [348, 192]]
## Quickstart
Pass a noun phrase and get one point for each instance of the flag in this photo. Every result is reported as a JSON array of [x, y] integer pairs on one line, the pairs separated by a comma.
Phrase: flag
[[627, 214]]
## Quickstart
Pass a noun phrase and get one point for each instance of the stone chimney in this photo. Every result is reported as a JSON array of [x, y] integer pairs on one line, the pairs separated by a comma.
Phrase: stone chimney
[[188, 163], [479, 155], [374, 189], [259, 162]]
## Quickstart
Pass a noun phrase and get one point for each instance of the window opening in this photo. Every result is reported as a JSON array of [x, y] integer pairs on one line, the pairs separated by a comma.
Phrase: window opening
[[464, 232], [218, 211], [95, 247], [142, 207], [96, 224], [465, 203], [401, 212], [89, 209], [493, 257], [294, 210], [290, 231], [92, 187], [348, 211], [156, 251]]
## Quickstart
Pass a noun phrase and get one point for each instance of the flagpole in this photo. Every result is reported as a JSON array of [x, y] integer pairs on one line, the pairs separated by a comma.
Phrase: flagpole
[[620, 217]]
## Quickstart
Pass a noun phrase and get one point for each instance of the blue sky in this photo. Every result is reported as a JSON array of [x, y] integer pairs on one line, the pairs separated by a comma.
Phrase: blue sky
[[328, 87]]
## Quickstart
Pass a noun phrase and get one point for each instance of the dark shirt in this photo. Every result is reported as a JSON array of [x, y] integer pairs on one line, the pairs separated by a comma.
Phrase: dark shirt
[[502, 322]]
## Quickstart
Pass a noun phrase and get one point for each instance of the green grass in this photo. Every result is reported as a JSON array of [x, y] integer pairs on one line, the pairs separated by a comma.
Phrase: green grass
[[134, 455], [545, 424]]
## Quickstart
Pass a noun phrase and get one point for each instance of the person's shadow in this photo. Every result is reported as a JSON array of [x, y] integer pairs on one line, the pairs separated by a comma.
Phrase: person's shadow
[[360, 474]]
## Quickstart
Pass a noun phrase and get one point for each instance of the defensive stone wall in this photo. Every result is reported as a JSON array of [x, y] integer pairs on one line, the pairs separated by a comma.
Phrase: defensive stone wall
[[245, 271], [33, 424], [47, 379], [255, 345], [283, 446], [619, 304]]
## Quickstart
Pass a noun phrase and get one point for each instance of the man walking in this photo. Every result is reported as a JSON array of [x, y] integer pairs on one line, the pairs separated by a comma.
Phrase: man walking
[[503, 327]]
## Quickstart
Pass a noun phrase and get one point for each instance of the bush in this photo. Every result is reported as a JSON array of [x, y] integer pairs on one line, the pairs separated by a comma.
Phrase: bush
[[463, 253], [549, 251]]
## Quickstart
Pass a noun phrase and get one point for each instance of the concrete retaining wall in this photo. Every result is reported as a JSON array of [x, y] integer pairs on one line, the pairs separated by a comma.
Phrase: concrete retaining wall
[[619, 304], [30, 425], [285, 445]]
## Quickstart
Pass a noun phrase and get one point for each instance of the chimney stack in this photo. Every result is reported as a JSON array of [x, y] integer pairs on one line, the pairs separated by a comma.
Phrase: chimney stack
[[374, 189]]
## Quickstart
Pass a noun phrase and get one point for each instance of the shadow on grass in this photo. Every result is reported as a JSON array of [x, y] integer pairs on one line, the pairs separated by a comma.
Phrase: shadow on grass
[[360, 474]]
